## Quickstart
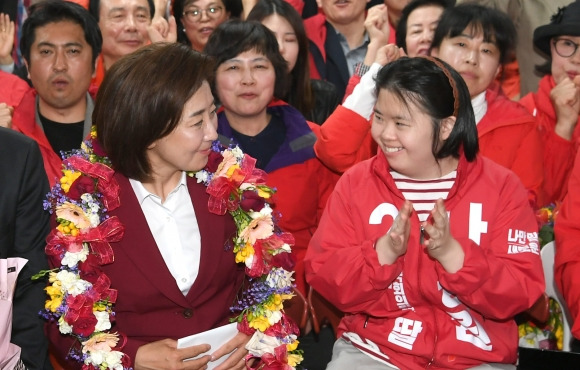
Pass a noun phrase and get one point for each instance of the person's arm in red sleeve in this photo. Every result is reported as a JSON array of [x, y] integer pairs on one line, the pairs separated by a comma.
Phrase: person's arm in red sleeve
[[567, 260]]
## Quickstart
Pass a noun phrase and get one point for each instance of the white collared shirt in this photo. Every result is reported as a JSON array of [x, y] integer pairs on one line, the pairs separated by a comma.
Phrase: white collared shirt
[[175, 230]]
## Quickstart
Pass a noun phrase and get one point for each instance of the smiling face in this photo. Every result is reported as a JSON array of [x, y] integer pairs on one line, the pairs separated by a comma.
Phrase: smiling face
[[188, 146], [60, 66], [199, 30], [343, 12], [123, 24], [286, 37], [476, 60], [421, 26], [245, 84], [405, 135], [562, 67]]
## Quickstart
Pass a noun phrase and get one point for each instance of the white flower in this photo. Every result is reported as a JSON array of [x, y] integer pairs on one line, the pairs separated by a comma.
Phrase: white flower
[[71, 259], [249, 261], [71, 282], [273, 316], [265, 211], [94, 219], [103, 322], [113, 360], [279, 278], [95, 358], [237, 152], [63, 326], [105, 359], [201, 176], [261, 343]]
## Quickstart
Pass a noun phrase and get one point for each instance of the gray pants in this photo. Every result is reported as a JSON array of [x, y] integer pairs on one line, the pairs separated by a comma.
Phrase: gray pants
[[346, 356]]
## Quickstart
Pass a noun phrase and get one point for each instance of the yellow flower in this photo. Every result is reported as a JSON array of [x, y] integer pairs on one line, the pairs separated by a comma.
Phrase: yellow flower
[[55, 293], [68, 178], [232, 169], [292, 346], [245, 252], [260, 323], [294, 359], [275, 303], [263, 194], [99, 306]]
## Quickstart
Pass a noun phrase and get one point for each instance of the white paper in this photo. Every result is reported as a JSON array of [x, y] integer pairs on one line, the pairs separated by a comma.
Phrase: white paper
[[214, 337]]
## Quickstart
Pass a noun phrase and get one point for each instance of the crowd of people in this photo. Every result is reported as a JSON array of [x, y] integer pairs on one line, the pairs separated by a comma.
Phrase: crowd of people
[[410, 145]]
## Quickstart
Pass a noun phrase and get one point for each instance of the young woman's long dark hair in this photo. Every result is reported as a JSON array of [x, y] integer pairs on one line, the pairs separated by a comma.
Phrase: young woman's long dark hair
[[300, 94]]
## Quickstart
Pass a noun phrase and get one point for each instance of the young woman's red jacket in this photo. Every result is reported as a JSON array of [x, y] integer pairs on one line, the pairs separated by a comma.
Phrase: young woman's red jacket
[[413, 313]]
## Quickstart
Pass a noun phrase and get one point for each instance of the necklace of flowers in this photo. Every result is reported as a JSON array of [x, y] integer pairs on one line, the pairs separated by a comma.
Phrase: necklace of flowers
[[81, 299]]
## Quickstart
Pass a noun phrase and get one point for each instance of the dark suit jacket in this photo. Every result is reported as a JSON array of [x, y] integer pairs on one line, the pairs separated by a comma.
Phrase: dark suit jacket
[[150, 306], [326, 53], [23, 229]]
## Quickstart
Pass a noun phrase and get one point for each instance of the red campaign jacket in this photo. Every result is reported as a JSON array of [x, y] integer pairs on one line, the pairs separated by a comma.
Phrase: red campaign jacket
[[150, 306], [12, 89], [24, 121], [567, 262], [559, 153], [413, 313], [507, 134]]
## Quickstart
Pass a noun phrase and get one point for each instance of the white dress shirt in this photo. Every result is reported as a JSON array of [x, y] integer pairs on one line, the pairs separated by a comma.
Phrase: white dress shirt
[[174, 227]]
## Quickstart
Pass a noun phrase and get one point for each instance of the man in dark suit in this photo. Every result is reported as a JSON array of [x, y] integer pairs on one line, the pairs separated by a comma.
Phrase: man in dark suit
[[23, 229]]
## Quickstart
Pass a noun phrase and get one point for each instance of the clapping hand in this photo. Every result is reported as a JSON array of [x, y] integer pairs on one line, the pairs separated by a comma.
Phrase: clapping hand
[[394, 243], [438, 241]]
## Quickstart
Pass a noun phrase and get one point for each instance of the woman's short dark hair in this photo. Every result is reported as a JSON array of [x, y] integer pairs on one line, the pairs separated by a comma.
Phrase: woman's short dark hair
[[422, 82], [300, 95], [235, 37], [141, 100], [496, 26], [55, 11], [401, 34]]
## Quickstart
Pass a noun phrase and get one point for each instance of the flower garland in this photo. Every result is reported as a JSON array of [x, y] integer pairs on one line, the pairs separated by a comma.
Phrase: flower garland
[[81, 299]]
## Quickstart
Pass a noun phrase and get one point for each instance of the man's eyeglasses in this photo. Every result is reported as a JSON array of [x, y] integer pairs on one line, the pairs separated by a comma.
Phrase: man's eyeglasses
[[565, 47], [195, 14]]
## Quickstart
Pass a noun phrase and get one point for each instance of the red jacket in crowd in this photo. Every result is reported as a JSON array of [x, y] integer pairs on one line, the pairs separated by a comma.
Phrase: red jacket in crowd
[[567, 263], [559, 153], [413, 313]]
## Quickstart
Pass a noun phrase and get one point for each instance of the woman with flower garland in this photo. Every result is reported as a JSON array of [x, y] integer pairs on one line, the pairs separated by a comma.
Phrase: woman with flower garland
[[169, 267], [428, 247], [250, 78]]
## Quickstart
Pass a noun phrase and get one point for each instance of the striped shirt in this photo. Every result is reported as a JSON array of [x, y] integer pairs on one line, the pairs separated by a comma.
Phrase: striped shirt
[[424, 193]]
